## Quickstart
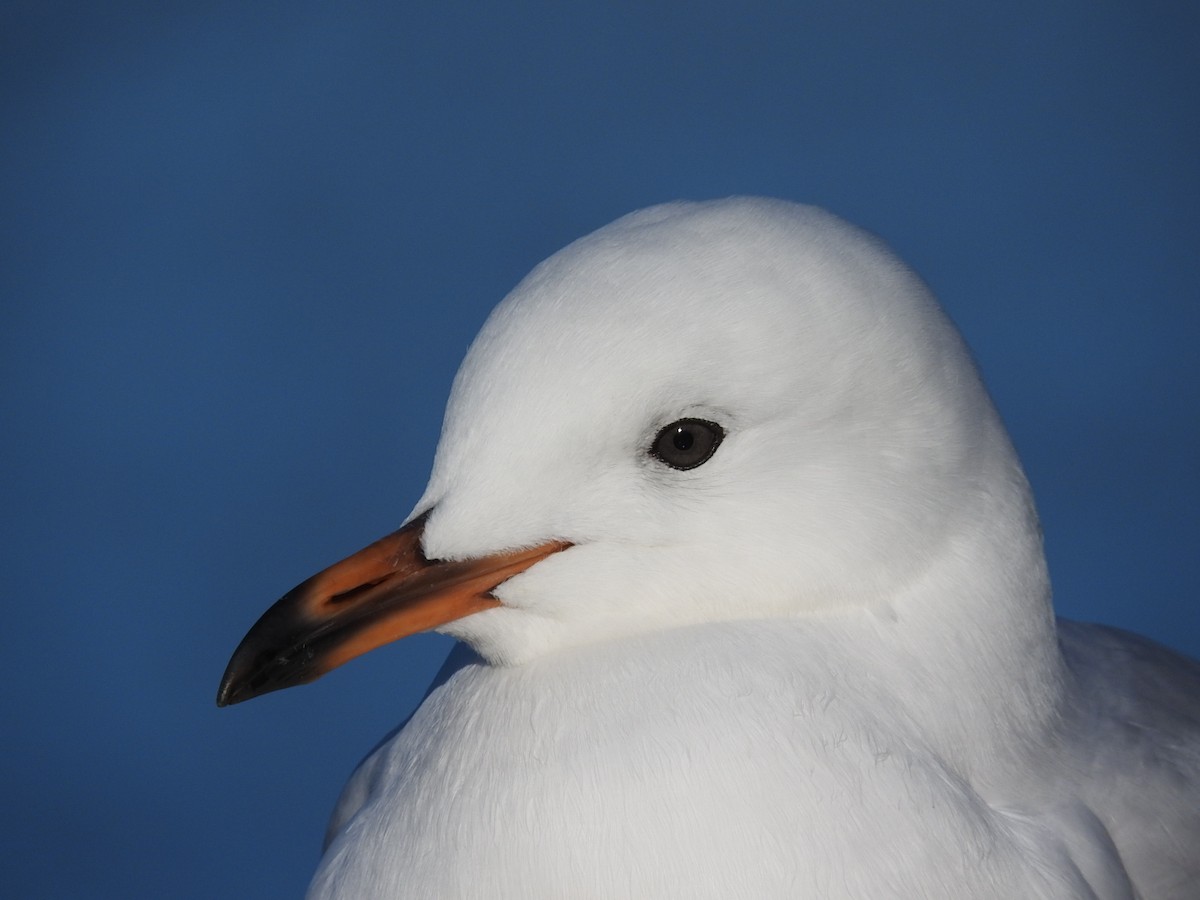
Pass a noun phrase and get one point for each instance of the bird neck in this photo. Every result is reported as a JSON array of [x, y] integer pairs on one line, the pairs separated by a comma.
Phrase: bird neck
[[973, 650]]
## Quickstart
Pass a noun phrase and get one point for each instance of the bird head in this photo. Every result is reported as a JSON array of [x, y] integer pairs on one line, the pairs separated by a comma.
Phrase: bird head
[[738, 409]]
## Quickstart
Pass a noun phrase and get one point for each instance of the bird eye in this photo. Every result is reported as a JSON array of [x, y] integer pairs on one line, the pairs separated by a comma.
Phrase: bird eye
[[687, 443]]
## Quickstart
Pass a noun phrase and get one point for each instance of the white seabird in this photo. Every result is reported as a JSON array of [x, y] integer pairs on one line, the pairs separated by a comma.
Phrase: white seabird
[[757, 590]]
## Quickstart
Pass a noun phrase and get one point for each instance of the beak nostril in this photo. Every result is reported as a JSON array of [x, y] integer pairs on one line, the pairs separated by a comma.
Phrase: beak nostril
[[353, 593]]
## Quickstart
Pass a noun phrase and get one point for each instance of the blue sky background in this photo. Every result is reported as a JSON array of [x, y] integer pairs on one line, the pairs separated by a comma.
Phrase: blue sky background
[[243, 247]]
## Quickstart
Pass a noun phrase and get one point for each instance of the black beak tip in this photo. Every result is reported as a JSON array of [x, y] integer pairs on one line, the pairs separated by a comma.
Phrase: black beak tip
[[240, 687], [236, 685], [255, 670], [276, 653], [227, 694]]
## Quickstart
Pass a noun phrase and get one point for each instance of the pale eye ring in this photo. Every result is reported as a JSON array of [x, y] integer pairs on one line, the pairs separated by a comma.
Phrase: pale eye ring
[[687, 443]]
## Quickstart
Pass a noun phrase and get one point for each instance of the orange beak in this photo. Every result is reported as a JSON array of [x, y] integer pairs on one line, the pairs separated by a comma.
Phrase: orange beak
[[382, 593]]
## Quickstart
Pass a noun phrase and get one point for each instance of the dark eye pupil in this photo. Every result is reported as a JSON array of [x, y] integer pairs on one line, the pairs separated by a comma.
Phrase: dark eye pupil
[[687, 443]]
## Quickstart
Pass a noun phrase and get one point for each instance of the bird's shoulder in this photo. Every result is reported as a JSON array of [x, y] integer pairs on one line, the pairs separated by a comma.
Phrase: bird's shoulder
[[1135, 751], [365, 779]]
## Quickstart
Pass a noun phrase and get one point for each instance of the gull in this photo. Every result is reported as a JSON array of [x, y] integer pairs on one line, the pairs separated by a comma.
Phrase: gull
[[752, 600]]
